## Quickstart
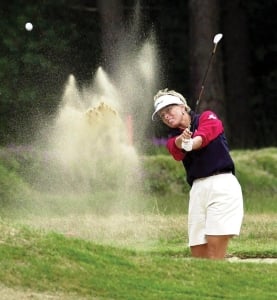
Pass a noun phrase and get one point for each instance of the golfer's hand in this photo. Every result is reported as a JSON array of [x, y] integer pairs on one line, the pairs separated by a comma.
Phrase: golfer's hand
[[185, 135], [187, 144]]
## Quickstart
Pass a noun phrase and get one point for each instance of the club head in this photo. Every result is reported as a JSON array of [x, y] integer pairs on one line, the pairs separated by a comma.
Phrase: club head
[[217, 38]]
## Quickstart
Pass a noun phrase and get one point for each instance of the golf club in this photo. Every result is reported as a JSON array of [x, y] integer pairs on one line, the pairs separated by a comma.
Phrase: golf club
[[216, 40]]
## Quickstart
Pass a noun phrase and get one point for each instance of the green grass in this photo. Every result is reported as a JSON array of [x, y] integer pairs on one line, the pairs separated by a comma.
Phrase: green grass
[[257, 172], [58, 264], [159, 185], [109, 245]]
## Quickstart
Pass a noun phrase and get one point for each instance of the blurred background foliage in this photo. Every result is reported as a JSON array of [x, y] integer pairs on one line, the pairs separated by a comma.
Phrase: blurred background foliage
[[30, 182], [67, 38]]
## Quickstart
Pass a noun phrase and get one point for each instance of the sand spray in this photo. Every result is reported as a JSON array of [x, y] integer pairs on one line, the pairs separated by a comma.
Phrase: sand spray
[[95, 136], [100, 126]]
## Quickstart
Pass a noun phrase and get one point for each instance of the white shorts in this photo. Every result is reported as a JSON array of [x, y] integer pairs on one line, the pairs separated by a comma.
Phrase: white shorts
[[215, 208]]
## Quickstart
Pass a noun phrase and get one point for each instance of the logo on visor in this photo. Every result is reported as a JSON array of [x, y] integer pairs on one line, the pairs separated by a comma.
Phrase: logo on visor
[[159, 102]]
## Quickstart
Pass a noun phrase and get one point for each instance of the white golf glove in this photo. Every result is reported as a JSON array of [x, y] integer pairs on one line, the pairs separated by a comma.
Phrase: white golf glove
[[187, 144]]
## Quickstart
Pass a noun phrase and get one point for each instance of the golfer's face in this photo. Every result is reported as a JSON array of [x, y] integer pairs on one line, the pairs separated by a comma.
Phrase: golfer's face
[[171, 115]]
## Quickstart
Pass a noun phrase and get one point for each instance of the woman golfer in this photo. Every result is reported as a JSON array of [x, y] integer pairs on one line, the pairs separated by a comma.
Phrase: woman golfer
[[215, 199]]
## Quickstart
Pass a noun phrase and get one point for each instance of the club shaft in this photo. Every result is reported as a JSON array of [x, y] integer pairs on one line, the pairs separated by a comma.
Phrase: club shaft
[[205, 77]]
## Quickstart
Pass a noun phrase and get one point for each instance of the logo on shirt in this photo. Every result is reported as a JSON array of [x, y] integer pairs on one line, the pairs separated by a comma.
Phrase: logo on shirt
[[212, 116]]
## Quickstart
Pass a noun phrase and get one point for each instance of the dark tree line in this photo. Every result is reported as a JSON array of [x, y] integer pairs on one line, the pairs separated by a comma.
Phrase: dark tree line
[[75, 37], [241, 84]]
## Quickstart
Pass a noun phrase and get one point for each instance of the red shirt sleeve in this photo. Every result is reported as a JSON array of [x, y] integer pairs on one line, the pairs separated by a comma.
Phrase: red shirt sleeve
[[209, 127], [177, 153]]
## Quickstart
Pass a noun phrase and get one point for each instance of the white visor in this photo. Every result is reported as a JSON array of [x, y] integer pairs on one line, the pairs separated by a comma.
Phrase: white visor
[[164, 101]]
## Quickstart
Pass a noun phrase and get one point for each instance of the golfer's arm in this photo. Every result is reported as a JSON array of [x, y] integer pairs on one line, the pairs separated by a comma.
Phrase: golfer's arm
[[197, 142]]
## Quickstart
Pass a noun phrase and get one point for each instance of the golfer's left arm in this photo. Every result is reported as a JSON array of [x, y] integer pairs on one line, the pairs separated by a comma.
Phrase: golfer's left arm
[[197, 142], [210, 127], [188, 143]]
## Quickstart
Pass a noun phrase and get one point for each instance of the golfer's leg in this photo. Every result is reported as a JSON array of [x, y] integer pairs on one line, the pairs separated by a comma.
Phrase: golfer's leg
[[200, 251], [217, 246]]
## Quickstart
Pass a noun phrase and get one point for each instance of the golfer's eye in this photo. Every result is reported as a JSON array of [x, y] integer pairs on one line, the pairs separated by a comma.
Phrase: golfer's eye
[[162, 116], [165, 112]]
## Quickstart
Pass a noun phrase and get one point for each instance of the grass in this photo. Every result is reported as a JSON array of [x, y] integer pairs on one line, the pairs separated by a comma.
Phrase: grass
[[258, 236], [123, 265], [102, 246], [257, 172]]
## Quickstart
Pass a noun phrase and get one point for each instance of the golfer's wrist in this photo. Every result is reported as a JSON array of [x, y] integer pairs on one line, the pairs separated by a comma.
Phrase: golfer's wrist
[[187, 144], [178, 143]]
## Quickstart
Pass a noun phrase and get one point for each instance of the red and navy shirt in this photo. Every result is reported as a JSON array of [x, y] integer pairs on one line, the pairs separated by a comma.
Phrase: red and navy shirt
[[213, 156]]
